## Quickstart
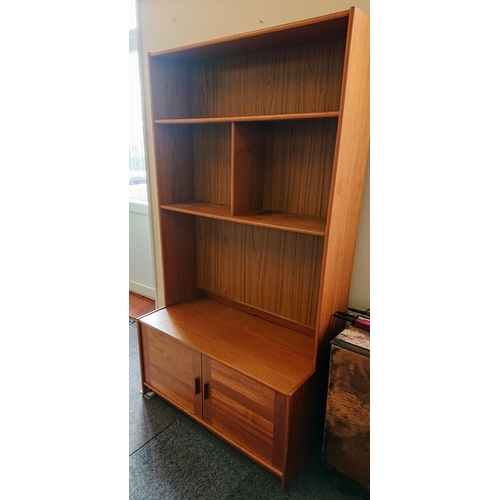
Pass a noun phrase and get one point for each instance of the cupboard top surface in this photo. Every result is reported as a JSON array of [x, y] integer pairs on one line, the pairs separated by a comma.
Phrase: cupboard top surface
[[272, 354], [355, 339]]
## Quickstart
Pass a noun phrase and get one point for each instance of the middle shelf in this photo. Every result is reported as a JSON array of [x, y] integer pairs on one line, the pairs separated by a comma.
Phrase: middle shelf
[[277, 220], [275, 173]]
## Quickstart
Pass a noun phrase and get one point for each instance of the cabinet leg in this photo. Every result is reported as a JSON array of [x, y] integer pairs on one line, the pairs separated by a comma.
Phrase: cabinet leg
[[147, 393]]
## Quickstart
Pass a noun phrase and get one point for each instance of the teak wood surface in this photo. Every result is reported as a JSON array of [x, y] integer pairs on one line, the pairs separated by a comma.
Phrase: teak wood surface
[[350, 163], [261, 147], [276, 271], [274, 355]]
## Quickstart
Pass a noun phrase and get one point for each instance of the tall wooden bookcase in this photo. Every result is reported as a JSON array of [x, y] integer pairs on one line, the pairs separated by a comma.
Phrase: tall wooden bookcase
[[261, 147]]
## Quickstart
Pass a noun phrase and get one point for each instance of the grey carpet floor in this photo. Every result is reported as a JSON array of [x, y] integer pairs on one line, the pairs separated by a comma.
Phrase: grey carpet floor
[[174, 458]]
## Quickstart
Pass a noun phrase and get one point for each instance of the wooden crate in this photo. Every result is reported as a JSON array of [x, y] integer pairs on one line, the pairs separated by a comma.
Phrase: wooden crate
[[346, 442]]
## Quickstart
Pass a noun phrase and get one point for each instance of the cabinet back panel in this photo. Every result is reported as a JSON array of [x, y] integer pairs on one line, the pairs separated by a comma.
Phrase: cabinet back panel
[[296, 79], [299, 164], [174, 163], [212, 163], [276, 271], [170, 88], [193, 162]]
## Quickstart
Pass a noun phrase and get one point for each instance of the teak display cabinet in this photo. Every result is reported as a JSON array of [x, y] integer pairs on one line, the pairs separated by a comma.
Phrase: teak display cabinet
[[261, 147]]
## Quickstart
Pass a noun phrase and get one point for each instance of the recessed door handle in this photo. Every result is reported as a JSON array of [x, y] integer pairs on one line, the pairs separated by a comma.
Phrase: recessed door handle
[[206, 393], [196, 386]]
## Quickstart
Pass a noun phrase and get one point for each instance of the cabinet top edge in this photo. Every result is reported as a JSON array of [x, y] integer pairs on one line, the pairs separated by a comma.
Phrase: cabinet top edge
[[272, 354], [304, 31]]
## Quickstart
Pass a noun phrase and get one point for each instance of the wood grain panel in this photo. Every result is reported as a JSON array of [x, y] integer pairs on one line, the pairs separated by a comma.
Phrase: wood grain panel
[[248, 167], [299, 164], [157, 76], [212, 163], [351, 159], [171, 369], [239, 407], [178, 236], [178, 89], [281, 429], [301, 428], [295, 79], [276, 271], [174, 163], [347, 423], [193, 162], [273, 318], [283, 166], [171, 84]]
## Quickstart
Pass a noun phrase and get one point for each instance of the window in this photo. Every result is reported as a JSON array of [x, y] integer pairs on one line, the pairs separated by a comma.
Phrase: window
[[137, 163]]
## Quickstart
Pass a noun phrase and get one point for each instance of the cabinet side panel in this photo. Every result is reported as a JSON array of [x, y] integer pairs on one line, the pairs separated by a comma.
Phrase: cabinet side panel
[[280, 430], [347, 425], [301, 428], [143, 339], [350, 163]]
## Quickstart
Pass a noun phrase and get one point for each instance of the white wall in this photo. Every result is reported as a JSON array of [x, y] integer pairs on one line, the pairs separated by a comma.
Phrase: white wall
[[141, 271], [165, 24]]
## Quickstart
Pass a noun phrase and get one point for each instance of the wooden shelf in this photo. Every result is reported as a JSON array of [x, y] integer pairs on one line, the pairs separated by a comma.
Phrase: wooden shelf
[[275, 220], [255, 118], [202, 209], [274, 355]]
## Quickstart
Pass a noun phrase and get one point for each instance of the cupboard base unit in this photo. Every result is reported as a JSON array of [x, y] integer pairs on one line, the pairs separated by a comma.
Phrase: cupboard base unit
[[261, 145], [346, 445], [205, 358]]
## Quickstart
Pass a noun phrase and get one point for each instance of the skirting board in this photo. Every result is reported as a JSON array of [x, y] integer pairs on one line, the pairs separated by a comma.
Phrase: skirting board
[[144, 290]]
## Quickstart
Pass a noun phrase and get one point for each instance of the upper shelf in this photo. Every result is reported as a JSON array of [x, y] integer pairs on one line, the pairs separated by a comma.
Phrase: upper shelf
[[253, 76], [297, 223], [255, 118]]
